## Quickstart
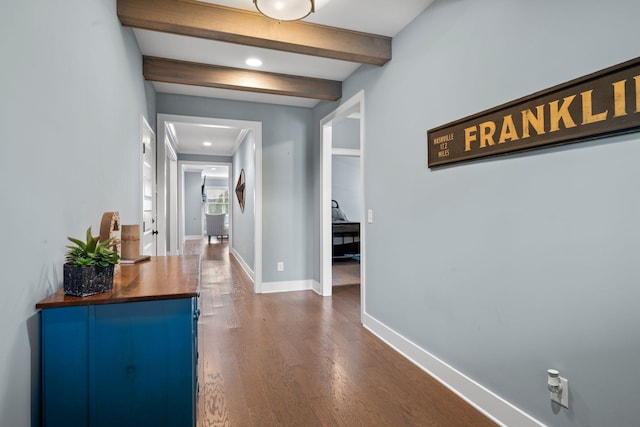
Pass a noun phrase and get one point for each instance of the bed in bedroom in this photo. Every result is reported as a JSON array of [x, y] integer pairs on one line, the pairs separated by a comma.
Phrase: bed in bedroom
[[346, 234]]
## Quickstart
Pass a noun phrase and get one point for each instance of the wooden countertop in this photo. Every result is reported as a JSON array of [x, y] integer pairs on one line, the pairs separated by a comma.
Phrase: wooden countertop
[[159, 278]]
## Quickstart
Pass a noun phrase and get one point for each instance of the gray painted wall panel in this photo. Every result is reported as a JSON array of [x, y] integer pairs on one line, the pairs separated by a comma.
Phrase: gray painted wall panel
[[504, 268], [72, 96], [192, 204], [203, 158], [346, 187], [217, 182], [243, 222], [346, 134]]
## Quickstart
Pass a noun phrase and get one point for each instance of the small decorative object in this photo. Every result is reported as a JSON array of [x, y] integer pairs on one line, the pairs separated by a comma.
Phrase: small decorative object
[[130, 241], [89, 266], [131, 245], [240, 190], [110, 229]]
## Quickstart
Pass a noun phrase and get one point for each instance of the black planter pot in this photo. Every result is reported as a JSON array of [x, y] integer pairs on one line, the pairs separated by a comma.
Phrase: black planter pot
[[85, 281]]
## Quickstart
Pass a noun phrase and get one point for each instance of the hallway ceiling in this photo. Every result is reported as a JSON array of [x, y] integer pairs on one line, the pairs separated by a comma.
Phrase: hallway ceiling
[[191, 138], [311, 57]]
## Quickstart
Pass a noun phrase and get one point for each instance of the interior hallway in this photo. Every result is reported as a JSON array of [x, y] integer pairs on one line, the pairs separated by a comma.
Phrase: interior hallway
[[298, 359]]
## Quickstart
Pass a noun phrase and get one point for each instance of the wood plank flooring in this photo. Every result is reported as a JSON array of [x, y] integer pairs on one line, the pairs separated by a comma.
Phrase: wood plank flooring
[[345, 273], [298, 359]]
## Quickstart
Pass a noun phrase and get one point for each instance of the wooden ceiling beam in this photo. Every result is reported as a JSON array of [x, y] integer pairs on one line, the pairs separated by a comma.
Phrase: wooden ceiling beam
[[191, 73], [208, 21]]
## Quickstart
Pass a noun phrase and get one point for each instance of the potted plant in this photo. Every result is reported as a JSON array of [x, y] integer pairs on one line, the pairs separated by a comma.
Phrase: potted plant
[[89, 266]]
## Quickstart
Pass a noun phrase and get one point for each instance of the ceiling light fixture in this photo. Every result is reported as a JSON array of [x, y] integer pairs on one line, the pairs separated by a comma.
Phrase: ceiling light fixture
[[206, 144], [285, 10], [253, 62]]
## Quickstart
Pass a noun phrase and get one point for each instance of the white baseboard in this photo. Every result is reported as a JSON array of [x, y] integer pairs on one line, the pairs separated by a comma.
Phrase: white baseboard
[[193, 237], [245, 267], [316, 287], [478, 396], [296, 285]]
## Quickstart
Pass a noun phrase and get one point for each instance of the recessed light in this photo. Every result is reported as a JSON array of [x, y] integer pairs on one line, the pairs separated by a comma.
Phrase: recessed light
[[206, 144], [253, 62]]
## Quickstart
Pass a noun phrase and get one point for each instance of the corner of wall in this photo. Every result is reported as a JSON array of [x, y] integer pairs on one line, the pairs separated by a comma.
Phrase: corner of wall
[[245, 267]]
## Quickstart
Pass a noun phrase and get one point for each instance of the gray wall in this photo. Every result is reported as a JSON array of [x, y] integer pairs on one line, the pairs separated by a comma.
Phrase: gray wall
[[217, 182], [290, 232], [243, 222], [203, 158], [346, 134], [72, 96], [346, 187], [192, 204], [504, 268]]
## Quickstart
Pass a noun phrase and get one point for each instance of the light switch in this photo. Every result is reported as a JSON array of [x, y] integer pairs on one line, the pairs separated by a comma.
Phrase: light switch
[[370, 216]]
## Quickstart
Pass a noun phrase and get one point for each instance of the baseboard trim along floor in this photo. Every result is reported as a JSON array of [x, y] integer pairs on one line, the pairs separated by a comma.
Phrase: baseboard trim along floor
[[245, 267], [478, 396], [290, 286]]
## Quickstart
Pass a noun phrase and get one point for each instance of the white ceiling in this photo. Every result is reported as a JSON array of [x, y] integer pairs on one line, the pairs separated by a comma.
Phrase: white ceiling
[[190, 138], [383, 17]]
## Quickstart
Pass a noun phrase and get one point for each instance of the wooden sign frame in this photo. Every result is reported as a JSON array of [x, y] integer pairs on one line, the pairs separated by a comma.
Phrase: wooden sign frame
[[603, 103]]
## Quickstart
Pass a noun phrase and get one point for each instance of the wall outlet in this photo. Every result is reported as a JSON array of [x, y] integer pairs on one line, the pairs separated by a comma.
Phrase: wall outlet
[[280, 266]]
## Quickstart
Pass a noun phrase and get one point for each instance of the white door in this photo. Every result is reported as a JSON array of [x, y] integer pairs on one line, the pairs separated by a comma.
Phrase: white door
[[148, 228]]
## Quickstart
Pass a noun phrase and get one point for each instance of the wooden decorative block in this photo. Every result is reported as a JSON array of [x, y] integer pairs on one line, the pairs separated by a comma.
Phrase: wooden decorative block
[[110, 229]]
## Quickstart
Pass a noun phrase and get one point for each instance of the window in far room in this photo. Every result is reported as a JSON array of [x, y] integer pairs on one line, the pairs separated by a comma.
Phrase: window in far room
[[217, 200]]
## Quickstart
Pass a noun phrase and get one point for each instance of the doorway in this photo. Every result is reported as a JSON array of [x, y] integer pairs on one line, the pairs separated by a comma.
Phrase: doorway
[[249, 130], [346, 196], [205, 188], [348, 115]]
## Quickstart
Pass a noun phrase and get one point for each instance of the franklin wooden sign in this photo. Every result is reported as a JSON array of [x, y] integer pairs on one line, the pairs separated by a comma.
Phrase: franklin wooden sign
[[603, 103]]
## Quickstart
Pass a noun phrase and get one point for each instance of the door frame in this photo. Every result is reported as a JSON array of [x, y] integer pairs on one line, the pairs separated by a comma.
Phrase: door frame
[[167, 160], [183, 165], [244, 124], [146, 127], [355, 104]]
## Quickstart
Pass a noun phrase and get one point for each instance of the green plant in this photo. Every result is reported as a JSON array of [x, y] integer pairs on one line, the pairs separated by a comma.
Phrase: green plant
[[91, 252]]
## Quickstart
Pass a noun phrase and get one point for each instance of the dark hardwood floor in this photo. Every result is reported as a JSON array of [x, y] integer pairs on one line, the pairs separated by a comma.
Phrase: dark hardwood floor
[[298, 359]]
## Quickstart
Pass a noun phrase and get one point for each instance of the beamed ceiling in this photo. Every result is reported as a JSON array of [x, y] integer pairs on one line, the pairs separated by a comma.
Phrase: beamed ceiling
[[199, 48]]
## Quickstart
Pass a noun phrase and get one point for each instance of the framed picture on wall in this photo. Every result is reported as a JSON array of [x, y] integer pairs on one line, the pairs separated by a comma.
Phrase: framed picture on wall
[[240, 190]]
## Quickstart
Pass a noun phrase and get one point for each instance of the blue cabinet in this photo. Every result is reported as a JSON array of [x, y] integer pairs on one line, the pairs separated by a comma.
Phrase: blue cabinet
[[122, 364]]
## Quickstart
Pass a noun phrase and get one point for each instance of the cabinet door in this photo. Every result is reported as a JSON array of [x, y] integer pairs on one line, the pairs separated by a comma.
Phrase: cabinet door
[[65, 366], [142, 364]]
